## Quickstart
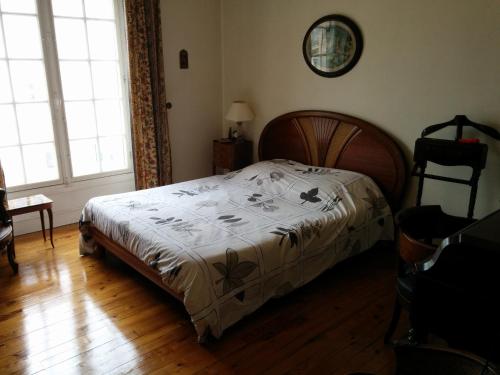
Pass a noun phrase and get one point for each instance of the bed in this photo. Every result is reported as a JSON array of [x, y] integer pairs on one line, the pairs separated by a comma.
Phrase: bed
[[224, 245]]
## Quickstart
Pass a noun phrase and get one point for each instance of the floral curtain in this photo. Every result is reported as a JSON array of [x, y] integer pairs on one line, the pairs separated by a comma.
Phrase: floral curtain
[[150, 136]]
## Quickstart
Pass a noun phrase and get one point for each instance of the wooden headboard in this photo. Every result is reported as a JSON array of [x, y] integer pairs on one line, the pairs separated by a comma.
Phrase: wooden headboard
[[334, 140]]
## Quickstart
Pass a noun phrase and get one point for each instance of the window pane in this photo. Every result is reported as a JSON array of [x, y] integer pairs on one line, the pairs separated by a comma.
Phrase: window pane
[[40, 162], [102, 40], [8, 126], [28, 79], [5, 93], [22, 36], [12, 165], [35, 123], [71, 41], [80, 120], [109, 117], [84, 157], [99, 9], [2, 46], [106, 76], [113, 153], [18, 6], [92, 85], [70, 8], [75, 77]]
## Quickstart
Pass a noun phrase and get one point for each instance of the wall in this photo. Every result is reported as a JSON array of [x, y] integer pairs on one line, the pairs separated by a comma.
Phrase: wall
[[69, 200], [195, 93], [423, 62]]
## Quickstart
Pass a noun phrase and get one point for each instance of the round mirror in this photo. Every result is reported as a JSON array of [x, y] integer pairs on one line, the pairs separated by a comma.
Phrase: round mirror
[[332, 45]]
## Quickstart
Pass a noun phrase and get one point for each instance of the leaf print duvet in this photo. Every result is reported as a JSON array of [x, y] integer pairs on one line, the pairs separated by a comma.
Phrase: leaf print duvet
[[228, 244]]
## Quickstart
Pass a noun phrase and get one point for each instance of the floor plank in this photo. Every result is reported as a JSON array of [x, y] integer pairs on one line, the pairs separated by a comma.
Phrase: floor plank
[[69, 314]]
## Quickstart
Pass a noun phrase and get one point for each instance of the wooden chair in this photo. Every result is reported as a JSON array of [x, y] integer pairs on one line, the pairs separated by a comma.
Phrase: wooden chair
[[6, 234], [459, 152], [449, 153], [420, 230], [6, 228]]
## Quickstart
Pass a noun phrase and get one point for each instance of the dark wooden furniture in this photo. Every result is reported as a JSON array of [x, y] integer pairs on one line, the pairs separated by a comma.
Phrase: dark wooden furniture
[[449, 153], [453, 153], [482, 234], [231, 155], [6, 234], [420, 230], [34, 203], [430, 360], [334, 140], [319, 138], [457, 290]]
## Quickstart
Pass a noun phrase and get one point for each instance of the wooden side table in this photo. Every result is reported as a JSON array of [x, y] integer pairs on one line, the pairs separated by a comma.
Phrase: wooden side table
[[34, 203], [232, 155]]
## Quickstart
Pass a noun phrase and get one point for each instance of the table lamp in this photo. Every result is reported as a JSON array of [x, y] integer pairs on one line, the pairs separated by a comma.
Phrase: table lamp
[[239, 112]]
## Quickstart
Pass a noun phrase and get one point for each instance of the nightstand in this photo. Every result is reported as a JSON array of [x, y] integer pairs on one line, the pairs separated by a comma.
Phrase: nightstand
[[33, 203], [231, 155]]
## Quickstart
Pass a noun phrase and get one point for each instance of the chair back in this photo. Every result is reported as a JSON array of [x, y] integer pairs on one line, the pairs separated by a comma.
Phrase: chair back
[[3, 200], [449, 153]]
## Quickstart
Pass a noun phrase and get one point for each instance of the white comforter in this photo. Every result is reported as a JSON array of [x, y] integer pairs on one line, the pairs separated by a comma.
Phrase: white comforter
[[230, 243]]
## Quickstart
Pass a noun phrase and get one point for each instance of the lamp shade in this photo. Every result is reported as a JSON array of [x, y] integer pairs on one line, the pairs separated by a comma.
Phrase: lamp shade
[[239, 112]]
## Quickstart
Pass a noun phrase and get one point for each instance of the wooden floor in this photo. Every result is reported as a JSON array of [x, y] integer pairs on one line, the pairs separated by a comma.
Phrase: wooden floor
[[66, 314]]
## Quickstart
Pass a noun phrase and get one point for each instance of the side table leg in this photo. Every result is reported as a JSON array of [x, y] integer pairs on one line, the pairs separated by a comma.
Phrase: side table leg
[[51, 225], [42, 220]]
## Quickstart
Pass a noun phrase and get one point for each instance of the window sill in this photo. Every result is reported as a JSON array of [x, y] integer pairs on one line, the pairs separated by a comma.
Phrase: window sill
[[59, 182], [60, 187]]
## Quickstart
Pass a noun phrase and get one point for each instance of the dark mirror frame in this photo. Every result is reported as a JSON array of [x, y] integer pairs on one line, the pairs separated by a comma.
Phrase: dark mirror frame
[[357, 36]]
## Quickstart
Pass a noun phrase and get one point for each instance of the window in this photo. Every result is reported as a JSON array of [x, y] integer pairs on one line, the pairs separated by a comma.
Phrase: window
[[27, 147], [63, 100]]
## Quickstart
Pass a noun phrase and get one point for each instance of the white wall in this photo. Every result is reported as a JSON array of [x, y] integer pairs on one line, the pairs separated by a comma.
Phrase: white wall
[[423, 62], [195, 93], [69, 200]]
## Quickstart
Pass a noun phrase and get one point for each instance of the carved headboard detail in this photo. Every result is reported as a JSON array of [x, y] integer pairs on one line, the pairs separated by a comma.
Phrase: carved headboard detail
[[334, 140]]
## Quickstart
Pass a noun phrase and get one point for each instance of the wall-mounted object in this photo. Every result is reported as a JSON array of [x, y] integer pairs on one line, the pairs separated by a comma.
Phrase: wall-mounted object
[[332, 46], [183, 59]]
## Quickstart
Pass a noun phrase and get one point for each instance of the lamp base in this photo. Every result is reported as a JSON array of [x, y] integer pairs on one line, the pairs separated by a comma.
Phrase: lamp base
[[237, 134]]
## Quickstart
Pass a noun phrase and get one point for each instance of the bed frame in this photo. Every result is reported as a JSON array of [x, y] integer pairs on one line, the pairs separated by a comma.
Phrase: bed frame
[[334, 140], [320, 138]]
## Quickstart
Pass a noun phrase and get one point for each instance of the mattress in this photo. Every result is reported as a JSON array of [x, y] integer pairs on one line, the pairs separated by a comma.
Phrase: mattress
[[229, 243]]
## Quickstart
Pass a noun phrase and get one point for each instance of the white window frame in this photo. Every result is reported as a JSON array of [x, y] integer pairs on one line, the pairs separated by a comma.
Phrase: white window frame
[[49, 99], [56, 101]]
